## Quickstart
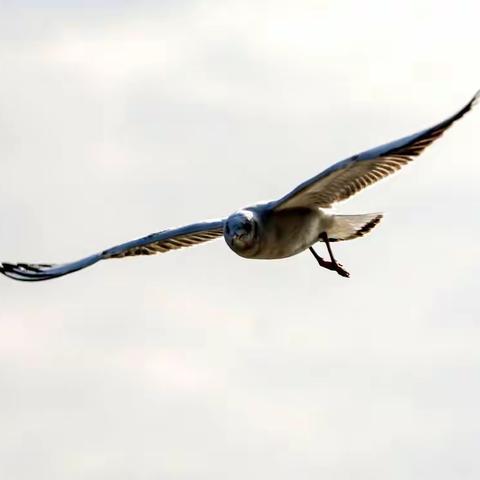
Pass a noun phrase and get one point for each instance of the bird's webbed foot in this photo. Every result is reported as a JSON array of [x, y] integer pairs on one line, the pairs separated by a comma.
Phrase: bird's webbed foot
[[332, 265]]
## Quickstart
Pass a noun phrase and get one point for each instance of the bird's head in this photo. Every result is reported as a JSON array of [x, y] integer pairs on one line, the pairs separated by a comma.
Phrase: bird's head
[[241, 230]]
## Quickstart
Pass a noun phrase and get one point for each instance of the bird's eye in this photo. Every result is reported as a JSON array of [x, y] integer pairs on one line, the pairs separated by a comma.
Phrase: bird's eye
[[248, 227]]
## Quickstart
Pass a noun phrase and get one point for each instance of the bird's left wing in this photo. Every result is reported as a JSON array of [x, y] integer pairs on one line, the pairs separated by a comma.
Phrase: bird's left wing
[[345, 178], [160, 242]]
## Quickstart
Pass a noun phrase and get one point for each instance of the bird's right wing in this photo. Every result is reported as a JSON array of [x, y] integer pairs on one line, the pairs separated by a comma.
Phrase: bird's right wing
[[345, 178], [160, 242]]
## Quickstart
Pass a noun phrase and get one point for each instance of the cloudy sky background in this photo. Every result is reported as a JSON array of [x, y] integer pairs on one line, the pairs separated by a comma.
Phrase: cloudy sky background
[[122, 118]]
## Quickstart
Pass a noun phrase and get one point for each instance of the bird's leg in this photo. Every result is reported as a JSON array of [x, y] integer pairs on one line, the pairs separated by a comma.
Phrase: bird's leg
[[323, 263], [336, 267], [333, 264]]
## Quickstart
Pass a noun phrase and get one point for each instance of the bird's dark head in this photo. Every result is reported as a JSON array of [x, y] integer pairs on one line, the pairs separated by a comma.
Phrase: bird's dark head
[[241, 230]]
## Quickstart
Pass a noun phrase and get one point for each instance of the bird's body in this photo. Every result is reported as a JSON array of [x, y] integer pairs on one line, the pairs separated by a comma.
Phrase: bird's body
[[288, 232], [279, 234], [280, 228], [284, 233]]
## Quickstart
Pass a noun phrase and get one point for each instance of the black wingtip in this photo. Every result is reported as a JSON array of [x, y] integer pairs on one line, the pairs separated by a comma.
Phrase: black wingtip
[[25, 272], [475, 99]]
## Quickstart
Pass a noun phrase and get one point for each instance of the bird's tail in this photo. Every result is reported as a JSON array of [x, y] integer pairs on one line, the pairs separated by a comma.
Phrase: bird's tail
[[348, 227]]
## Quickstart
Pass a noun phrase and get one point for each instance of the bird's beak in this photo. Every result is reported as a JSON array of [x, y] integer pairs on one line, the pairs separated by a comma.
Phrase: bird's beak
[[239, 235]]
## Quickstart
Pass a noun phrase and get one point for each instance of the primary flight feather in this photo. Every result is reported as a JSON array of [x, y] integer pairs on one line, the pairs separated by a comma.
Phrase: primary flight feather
[[279, 228]]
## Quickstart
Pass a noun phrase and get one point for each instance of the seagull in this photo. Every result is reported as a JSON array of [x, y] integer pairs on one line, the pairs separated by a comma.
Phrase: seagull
[[279, 228]]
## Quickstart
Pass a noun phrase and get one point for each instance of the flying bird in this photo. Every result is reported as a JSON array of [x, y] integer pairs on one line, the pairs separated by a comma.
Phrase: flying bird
[[279, 228]]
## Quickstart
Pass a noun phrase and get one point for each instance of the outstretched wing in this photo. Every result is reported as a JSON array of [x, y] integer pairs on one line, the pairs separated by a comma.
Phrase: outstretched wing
[[155, 243], [345, 178]]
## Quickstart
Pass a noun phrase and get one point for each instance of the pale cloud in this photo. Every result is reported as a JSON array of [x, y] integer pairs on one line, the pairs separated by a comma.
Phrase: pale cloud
[[118, 119]]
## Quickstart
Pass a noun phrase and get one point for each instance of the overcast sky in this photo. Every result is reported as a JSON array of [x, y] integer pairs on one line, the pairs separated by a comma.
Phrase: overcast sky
[[118, 119]]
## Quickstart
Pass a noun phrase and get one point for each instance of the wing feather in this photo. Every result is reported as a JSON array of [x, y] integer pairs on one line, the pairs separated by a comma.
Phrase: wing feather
[[160, 242], [347, 177]]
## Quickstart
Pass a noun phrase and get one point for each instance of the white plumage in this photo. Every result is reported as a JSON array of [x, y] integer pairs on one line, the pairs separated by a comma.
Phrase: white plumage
[[279, 228]]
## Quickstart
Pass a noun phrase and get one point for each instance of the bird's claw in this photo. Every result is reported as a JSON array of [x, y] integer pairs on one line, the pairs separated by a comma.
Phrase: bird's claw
[[341, 271], [334, 266]]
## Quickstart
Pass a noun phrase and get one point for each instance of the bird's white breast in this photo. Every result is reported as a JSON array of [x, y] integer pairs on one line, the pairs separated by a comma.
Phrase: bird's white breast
[[286, 232]]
